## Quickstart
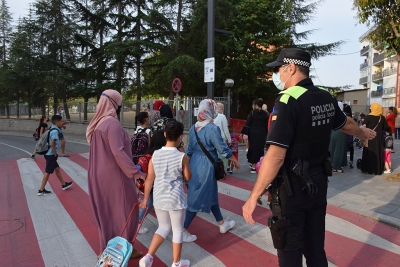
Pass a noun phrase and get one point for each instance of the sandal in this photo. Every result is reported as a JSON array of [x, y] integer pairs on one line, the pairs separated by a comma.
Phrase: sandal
[[259, 200], [338, 171], [136, 253]]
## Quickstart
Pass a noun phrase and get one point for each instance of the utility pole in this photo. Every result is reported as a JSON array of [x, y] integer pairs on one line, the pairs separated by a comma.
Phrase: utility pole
[[210, 43]]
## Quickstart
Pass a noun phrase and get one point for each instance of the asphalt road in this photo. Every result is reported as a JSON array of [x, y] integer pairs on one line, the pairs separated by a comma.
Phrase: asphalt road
[[12, 147]]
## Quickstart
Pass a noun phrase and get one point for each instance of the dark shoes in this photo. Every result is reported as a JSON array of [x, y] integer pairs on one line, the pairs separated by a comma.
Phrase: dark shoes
[[43, 192], [67, 185]]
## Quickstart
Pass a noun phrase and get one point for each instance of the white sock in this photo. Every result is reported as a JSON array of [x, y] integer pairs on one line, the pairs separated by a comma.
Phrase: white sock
[[177, 263], [148, 255]]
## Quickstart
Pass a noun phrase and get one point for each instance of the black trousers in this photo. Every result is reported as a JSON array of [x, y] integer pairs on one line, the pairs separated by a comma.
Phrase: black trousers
[[307, 213]]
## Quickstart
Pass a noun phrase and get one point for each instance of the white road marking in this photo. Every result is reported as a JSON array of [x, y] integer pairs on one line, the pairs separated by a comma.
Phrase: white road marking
[[333, 224], [59, 238], [196, 254], [29, 153]]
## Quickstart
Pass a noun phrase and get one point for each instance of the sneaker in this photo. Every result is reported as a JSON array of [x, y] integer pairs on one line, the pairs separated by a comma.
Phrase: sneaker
[[228, 169], [143, 230], [182, 263], [43, 192], [387, 171], [253, 170], [146, 261], [67, 185], [226, 226], [230, 172], [187, 237], [351, 164], [247, 149], [33, 157]]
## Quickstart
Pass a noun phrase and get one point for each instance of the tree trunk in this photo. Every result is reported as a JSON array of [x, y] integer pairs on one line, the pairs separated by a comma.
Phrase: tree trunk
[[138, 81], [85, 108], [119, 57]]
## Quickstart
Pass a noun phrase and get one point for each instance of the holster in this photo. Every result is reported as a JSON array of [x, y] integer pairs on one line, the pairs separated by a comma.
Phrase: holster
[[300, 168], [284, 235]]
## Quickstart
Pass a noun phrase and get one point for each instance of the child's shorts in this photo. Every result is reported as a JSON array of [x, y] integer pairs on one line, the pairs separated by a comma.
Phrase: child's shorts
[[51, 163], [386, 156]]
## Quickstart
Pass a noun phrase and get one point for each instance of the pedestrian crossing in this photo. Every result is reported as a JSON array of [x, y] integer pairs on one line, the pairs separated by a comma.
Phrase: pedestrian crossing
[[66, 232]]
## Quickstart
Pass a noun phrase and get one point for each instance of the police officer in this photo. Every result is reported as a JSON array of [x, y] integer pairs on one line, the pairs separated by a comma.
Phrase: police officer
[[297, 162]]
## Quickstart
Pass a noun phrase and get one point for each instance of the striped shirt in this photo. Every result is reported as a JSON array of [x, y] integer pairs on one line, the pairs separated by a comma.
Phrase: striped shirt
[[168, 184]]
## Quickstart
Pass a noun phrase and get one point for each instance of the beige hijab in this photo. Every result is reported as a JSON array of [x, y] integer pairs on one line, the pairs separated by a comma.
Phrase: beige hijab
[[106, 108]]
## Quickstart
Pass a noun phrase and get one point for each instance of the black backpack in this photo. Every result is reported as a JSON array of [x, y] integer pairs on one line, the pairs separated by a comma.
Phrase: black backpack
[[139, 144]]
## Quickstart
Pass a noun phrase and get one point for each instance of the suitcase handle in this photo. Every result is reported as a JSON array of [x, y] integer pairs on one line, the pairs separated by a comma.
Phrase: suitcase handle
[[129, 218]]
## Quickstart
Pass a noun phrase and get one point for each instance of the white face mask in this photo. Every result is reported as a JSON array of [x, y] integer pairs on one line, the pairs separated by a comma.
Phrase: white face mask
[[62, 112], [276, 79]]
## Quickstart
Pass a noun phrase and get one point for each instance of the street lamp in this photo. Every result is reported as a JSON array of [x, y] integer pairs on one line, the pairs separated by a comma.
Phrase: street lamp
[[229, 83]]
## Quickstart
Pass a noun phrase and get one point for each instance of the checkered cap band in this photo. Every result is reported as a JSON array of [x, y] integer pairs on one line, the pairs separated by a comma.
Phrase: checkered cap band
[[297, 62]]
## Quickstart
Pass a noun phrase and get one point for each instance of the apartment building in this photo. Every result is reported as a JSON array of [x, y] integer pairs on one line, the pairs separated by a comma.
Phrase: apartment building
[[378, 73]]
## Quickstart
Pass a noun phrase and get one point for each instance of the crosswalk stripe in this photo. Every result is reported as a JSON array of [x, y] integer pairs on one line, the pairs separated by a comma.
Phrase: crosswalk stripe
[[191, 251], [333, 223], [60, 241], [230, 191]]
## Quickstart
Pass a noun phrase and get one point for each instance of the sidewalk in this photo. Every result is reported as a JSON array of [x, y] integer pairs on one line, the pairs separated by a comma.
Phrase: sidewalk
[[368, 195]]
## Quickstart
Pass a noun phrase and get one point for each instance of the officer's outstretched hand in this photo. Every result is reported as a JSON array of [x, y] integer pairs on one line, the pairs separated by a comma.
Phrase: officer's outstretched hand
[[248, 210], [368, 133]]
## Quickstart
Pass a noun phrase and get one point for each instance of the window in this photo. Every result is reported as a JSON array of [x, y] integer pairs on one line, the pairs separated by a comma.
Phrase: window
[[354, 102]]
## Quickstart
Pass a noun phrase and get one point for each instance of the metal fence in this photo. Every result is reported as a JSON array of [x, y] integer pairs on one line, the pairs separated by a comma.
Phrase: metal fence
[[76, 110]]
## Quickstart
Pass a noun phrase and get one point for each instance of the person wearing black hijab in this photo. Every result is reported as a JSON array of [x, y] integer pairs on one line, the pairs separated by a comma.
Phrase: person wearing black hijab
[[166, 116]]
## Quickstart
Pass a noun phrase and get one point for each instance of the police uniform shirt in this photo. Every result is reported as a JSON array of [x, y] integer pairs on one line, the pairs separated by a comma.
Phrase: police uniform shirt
[[287, 116]]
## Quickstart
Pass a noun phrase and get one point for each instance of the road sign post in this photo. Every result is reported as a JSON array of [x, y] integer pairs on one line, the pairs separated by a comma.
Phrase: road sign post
[[176, 87]]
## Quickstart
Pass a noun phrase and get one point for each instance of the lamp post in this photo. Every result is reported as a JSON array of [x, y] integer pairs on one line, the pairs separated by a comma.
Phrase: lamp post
[[229, 83], [210, 43]]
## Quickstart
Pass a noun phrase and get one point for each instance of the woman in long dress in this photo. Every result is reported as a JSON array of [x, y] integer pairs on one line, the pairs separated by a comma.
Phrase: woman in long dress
[[257, 121], [372, 157], [203, 188], [111, 172], [338, 148]]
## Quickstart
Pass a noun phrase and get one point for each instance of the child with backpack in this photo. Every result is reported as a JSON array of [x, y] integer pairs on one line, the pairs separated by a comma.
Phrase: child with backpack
[[157, 142], [388, 146], [40, 131], [234, 146], [168, 168], [141, 139], [52, 155]]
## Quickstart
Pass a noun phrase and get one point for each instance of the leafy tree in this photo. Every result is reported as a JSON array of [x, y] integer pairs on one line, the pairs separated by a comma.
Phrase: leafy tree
[[384, 16]]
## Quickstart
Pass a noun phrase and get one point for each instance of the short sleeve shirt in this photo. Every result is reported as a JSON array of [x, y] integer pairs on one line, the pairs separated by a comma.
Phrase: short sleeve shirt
[[286, 116], [53, 135]]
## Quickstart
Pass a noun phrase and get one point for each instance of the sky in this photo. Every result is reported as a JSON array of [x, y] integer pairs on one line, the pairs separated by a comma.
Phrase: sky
[[334, 21]]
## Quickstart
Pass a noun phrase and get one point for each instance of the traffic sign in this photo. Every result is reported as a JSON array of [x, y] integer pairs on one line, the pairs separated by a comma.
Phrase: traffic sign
[[176, 85], [209, 70]]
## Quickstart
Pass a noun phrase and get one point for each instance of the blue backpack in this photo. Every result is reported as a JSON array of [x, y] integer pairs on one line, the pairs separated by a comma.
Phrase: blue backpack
[[116, 254], [119, 250]]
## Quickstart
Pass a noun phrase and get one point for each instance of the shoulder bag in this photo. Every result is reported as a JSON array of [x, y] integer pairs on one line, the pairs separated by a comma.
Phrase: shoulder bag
[[246, 128], [219, 170], [364, 143]]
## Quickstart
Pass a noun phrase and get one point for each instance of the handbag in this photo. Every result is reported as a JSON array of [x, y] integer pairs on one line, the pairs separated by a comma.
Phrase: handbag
[[364, 143], [219, 169], [246, 128]]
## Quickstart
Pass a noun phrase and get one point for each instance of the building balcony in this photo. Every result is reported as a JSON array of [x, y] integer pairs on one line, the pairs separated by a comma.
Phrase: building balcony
[[376, 93], [389, 72], [364, 80], [364, 50], [389, 91], [377, 76], [363, 65], [378, 59]]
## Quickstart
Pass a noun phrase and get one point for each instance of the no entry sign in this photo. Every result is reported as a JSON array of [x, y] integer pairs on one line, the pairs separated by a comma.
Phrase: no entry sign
[[176, 85]]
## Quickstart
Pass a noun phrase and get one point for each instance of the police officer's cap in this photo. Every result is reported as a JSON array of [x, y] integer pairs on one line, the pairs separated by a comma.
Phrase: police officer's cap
[[292, 55]]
